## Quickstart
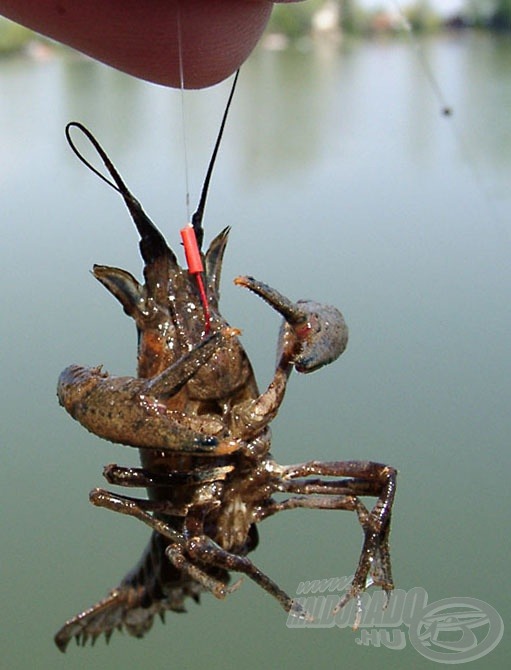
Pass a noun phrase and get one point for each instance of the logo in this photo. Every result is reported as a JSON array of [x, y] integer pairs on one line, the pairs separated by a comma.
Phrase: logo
[[451, 631], [456, 630]]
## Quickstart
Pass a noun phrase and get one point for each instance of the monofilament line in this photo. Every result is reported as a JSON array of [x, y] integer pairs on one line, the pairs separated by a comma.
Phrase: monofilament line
[[445, 108], [183, 115]]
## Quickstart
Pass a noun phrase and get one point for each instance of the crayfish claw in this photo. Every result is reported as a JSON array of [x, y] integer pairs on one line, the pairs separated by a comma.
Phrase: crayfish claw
[[320, 330]]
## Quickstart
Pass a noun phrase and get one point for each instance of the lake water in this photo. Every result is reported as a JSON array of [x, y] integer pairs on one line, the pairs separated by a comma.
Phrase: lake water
[[342, 182]]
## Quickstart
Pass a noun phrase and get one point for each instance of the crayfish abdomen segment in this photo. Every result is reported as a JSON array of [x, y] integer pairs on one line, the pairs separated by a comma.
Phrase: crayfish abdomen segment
[[153, 587]]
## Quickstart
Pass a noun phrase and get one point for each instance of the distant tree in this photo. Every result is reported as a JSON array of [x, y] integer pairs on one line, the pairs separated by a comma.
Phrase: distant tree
[[294, 20], [501, 16], [421, 16], [495, 14], [349, 12]]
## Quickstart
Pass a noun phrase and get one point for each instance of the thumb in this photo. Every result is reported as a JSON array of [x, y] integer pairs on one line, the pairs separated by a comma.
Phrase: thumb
[[144, 37]]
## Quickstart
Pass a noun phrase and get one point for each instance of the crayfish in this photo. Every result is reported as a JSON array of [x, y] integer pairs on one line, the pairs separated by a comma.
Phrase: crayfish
[[202, 428]]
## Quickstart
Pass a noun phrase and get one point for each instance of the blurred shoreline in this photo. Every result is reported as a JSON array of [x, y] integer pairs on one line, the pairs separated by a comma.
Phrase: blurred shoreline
[[320, 20]]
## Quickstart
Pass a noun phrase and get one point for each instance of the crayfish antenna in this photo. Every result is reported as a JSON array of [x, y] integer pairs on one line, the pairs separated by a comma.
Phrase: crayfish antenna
[[152, 243], [199, 213]]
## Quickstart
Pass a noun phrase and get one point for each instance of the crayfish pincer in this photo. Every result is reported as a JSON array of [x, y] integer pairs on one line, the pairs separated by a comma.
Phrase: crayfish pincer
[[201, 425]]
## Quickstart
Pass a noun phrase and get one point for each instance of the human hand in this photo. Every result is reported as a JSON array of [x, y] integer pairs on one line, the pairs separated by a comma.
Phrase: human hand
[[142, 37]]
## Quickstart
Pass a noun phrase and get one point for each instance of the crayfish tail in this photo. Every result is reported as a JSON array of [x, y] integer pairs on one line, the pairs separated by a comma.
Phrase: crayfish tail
[[150, 589]]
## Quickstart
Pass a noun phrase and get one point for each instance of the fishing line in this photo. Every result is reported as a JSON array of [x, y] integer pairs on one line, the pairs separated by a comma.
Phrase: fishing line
[[447, 110], [183, 114], [188, 236]]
